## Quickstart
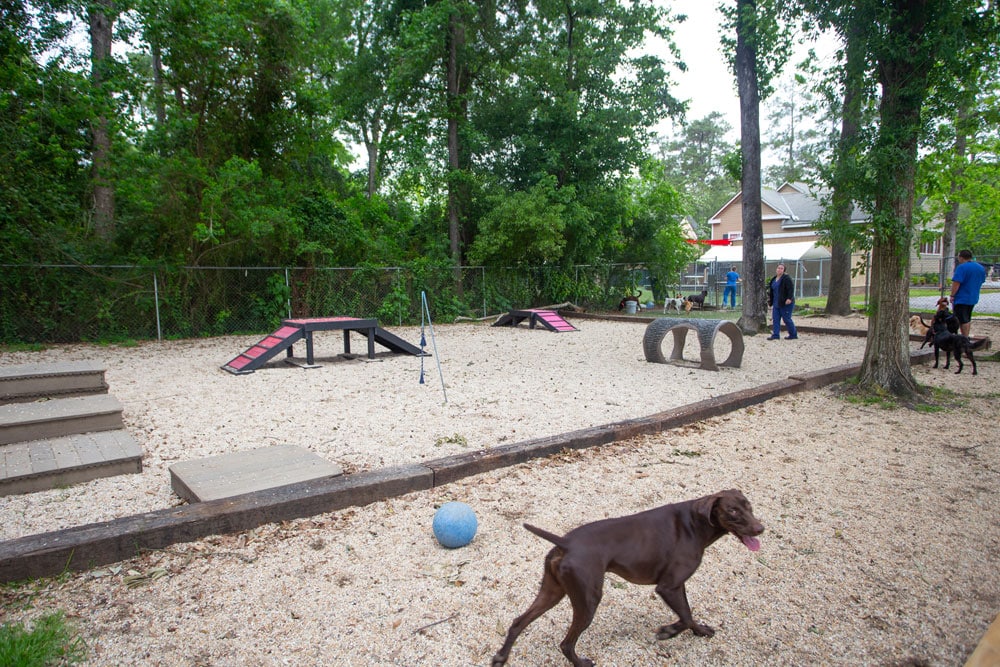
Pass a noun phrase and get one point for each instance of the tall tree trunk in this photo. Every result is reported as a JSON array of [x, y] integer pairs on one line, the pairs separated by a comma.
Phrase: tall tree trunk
[[372, 137], [101, 16], [754, 316], [159, 98], [842, 203], [948, 234], [456, 42], [904, 69]]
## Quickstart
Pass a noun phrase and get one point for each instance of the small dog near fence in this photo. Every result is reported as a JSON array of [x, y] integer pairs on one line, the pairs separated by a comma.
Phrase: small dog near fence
[[698, 298], [676, 303]]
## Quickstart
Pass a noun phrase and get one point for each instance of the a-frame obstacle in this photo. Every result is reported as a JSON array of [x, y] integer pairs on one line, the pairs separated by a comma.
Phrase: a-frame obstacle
[[292, 331], [549, 319]]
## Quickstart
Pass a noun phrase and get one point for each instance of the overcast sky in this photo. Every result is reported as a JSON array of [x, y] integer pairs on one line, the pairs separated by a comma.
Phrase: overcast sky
[[708, 85]]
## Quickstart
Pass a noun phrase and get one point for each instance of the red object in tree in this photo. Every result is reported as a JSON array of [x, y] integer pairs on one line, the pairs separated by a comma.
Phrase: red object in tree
[[710, 241]]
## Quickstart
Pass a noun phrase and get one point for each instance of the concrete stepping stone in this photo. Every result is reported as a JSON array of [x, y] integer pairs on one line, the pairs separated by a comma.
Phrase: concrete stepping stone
[[38, 465], [27, 382], [236, 473]]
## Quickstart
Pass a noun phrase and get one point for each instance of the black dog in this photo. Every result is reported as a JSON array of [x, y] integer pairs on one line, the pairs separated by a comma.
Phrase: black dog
[[661, 547], [621, 304], [699, 298], [942, 339]]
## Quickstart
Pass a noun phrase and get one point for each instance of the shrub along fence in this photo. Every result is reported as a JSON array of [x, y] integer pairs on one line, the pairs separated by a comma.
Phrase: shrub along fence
[[45, 303], [69, 303]]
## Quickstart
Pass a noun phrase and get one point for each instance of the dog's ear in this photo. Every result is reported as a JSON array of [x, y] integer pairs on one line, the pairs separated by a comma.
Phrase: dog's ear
[[703, 506]]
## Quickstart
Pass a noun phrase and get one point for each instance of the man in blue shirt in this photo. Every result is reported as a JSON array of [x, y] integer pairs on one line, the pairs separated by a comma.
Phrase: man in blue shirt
[[969, 276], [732, 278]]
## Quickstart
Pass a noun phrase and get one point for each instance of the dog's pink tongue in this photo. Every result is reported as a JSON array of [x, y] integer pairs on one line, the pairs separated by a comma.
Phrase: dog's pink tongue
[[752, 543]]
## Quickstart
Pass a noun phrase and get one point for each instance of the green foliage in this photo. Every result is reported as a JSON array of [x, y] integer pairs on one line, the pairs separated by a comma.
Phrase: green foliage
[[395, 305], [695, 162], [49, 640], [655, 235], [769, 33], [523, 227], [270, 305]]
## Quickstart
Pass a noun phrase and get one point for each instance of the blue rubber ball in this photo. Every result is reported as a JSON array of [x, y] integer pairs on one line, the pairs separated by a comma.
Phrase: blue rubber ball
[[455, 525]]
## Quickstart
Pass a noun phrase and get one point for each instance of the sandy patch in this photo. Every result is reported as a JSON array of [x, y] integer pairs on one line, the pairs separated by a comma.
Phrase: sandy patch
[[882, 544]]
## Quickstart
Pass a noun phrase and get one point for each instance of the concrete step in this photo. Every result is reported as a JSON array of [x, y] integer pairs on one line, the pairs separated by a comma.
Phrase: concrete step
[[38, 465], [21, 422], [29, 382], [236, 473]]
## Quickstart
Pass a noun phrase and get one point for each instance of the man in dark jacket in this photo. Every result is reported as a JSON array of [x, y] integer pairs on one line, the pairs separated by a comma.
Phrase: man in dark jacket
[[781, 298]]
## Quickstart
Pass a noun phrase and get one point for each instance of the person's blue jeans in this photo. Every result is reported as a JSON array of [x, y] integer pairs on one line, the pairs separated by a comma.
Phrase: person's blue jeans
[[782, 313], [730, 292]]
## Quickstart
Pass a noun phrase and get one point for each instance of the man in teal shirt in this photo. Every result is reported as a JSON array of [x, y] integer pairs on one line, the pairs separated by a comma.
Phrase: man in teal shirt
[[732, 278], [969, 276]]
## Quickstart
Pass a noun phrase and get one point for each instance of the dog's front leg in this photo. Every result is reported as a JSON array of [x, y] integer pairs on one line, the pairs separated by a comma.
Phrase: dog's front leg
[[676, 599]]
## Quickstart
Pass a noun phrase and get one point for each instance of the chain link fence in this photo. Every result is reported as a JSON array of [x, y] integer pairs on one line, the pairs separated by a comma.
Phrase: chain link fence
[[69, 303]]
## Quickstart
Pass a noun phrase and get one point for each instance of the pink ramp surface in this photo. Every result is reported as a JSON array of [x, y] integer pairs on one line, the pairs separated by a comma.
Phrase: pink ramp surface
[[554, 321], [256, 355]]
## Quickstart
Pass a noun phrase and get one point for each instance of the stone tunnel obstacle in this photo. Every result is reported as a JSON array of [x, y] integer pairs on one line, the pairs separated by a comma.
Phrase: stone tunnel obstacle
[[706, 330]]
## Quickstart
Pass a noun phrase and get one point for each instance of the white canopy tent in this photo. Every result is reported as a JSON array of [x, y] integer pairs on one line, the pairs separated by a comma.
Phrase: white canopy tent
[[773, 252]]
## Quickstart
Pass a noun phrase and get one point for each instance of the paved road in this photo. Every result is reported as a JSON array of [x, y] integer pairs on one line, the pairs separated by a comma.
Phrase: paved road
[[989, 301]]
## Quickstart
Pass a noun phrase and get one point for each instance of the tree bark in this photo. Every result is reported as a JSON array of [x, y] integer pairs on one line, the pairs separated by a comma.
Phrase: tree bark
[[842, 203], [754, 315], [948, 251], [456, 42], [904, 69], [159, 97], [101, 17], [372, 136]]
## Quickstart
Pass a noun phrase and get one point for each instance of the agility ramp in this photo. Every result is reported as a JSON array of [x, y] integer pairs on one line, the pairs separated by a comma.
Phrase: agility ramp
[[294, 330], [548, 319], [260, 353]]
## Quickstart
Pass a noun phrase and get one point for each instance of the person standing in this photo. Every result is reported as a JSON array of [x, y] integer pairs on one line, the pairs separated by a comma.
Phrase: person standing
[[732, 279], [968, 277], [781, 298]]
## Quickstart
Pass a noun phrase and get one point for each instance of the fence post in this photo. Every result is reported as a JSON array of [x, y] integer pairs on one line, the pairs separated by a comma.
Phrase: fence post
[[156, 304], [399, 302], [288, 288]]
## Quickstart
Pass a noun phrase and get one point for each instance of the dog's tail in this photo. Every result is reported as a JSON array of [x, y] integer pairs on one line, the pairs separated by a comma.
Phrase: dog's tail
[[977, 343], [546, 535]]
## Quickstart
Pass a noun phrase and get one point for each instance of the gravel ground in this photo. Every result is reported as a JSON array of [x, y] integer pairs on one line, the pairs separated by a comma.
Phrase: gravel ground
[[881, 543]]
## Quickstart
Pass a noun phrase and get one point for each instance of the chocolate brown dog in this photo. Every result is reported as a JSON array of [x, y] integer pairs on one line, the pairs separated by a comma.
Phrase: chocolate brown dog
[[662, 546]]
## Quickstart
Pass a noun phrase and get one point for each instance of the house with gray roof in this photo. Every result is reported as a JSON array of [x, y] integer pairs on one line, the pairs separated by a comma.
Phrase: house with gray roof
[[789, 216]]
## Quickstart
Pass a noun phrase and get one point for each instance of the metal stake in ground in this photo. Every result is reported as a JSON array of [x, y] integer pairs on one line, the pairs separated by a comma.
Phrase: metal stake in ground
[[424, 310]]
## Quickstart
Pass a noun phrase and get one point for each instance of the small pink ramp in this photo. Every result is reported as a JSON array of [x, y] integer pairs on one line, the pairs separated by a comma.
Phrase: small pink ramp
[[257, 355], [549, 319]]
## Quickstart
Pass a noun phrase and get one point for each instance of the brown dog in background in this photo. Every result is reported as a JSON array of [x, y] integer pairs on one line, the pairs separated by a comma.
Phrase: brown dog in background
[[661, 546]]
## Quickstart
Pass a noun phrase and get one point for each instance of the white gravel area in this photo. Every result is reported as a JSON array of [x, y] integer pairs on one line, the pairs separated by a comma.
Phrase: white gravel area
[[881, 546]]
